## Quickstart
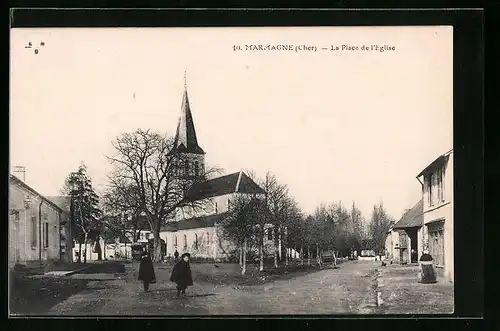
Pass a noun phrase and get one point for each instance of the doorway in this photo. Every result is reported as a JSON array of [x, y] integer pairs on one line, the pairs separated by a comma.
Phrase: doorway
[[413, 236]]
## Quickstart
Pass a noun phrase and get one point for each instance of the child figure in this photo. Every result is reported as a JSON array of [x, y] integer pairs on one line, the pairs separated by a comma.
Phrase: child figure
[[181, 274]]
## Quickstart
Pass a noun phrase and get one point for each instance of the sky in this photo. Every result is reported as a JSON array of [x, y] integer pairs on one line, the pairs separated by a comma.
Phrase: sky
[[346, 125]]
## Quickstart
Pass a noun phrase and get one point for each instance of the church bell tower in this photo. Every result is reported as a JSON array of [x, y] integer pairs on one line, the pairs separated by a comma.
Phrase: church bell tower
[[190, 157]]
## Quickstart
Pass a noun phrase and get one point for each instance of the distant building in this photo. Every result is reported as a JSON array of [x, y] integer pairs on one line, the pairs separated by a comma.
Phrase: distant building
[[406, 236], [437, 193], [37, 226], [197, 231]]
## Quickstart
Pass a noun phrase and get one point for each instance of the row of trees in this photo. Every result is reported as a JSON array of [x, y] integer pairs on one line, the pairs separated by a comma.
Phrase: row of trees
[[332, 227], [144, 184]]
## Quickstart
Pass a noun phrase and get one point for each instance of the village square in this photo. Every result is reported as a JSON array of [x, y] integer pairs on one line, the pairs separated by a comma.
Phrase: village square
[[171, 230]]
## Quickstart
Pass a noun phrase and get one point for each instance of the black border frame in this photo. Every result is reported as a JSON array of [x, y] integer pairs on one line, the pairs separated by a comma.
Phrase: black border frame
[[468, 111]]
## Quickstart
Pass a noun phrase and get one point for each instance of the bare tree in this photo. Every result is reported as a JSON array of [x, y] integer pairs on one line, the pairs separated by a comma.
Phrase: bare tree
[[147, 162], [380, 223], [239, 225]]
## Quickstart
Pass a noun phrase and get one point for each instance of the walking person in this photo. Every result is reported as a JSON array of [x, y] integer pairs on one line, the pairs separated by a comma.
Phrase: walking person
[[176, 256], [146, 271], [181, 274]]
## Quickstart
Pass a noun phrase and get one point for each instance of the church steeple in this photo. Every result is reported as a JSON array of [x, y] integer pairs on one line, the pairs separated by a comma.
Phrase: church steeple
[[185, 136]]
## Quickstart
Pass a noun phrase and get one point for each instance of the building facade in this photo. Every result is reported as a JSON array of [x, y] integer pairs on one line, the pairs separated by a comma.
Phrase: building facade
[[65, 203], [437, 192], [197, 231], [37, 226]]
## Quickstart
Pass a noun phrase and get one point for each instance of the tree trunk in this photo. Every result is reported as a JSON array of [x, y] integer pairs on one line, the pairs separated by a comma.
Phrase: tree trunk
[[157, 247], [286, 256], [301, 255], [276, 252], [79, 260], [241, 255], [280, 246], [318, 257], [334, 262], [244, 266], [261, 252], [99, 250], [85, 255], [308, 254]]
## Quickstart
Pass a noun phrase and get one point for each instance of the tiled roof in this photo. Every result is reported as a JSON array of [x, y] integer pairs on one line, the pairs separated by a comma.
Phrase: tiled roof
[[194, 223], [436, 163], [224, 185], [412, 218]]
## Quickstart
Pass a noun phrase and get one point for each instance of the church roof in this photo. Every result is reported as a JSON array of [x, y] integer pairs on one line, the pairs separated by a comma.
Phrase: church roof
[[412, 218], [237, 182], [185, 136], [194, 223]]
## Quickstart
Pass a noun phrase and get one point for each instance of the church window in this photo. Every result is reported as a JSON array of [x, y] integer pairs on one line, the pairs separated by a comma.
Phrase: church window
[[195, 240], [196, 168], [208, 238], [186, 167], [270, 234], [175, 241], [185, 242]]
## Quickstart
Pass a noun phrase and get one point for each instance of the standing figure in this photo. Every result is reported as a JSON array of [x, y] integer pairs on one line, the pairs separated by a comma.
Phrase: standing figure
[[176, 256], [181, 274], [146, 271]]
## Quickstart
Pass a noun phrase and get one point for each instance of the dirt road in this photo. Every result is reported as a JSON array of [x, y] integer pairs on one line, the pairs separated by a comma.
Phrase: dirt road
[[346, 290]]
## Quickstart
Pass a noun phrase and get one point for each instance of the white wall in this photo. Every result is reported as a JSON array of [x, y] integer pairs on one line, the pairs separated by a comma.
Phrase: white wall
[[24, 234], [443, 211], [89, 249]]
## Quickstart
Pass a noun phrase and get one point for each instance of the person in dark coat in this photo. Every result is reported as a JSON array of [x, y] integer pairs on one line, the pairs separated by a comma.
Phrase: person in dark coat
[[176, 255], [146, 271], [428, 274], [181, 274]]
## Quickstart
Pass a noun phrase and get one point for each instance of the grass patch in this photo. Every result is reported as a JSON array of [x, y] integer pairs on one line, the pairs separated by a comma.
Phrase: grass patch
[[230, 273]]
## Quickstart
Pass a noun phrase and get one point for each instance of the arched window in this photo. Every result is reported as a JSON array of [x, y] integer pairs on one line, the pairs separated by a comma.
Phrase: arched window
[[196, 168], [195, 240], [186, 167], [208, 238], [185, 242], [175, 241]]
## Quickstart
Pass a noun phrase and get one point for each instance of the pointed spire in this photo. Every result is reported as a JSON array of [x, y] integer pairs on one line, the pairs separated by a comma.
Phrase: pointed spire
[[185, 136]]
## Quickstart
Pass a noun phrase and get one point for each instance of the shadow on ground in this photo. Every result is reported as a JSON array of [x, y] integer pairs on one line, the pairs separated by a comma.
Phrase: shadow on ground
[[37, 296], [30, 296]]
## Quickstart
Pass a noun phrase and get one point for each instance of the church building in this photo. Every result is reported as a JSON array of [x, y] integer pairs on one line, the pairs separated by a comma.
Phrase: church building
[[196, 231]]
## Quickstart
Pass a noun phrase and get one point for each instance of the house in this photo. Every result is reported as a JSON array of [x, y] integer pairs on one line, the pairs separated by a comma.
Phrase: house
[[67, 244], [406, 236], [37, 226], [198, 231], [437, 193], [391, 244]]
